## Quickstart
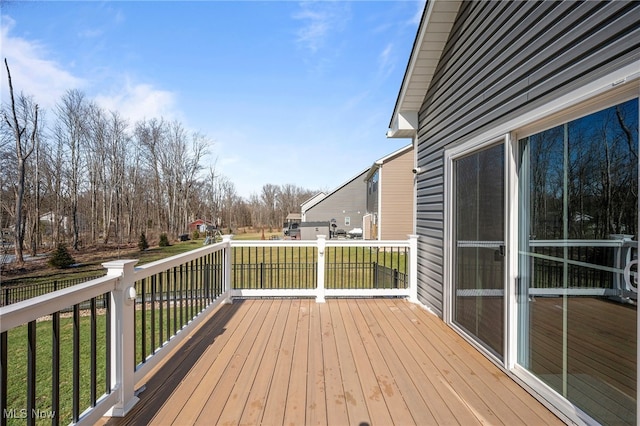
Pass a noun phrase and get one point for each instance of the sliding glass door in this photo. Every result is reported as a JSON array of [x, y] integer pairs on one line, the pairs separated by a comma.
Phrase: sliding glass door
[[479, 247], [578, 239]]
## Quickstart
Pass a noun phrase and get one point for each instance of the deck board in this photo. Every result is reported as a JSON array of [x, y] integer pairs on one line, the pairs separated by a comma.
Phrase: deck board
[[344, 362], [237, 396], [316, 413], [257, 396], [334, 391], [296, 401], [510, 406], [378, 369], [365, 361], [276, 401], [353, 396], [419, 370]]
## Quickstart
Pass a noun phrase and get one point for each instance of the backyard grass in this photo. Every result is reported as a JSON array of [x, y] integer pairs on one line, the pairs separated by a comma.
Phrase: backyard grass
[[17, 350], [17, 355], [89, 261]]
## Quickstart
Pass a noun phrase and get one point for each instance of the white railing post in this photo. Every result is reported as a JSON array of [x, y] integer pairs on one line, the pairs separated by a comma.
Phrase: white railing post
[[322, 242], [227, 266], [413, 268], [122, 336]]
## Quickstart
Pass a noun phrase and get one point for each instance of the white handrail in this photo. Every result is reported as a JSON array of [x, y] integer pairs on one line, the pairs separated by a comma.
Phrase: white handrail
[[28, 310], [120, 281], [152, 268]]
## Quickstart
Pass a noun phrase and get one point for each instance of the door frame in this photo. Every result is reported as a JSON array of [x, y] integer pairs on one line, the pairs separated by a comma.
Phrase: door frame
[[619, 85], [450, 156]]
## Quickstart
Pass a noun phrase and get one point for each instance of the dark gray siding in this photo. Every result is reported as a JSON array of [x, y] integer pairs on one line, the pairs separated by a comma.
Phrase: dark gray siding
[[350, 198], [503, 59]]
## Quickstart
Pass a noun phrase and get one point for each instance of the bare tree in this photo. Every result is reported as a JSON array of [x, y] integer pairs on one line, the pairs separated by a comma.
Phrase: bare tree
[[290, 198], [134, 192], [150, 136], [97, 127], [72, 131], [24, 127], [269, 199], [36, 199], [190, 168]]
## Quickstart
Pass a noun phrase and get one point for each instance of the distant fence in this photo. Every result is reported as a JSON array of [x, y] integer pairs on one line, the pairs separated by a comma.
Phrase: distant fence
[[17, 293]]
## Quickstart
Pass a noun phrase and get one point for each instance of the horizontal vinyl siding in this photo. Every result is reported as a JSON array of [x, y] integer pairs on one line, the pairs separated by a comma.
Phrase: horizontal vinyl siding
[[503, 59], [351, 198], [396, 221]]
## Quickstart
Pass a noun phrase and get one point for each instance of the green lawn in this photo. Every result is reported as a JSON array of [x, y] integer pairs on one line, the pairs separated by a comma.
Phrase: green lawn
[[17, 349]]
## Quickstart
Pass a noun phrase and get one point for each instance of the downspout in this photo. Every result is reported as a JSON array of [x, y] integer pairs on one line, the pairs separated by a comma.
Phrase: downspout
[[416, 172]]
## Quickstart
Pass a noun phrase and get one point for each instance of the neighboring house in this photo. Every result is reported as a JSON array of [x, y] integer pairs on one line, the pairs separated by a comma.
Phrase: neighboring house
[[293, 218], [524, 115], [345, 206], [50, 218], [200, 225], [310, 203], [389, 191]]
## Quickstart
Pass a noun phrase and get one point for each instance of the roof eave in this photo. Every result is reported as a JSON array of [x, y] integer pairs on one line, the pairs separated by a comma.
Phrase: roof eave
[[378, 163], [437, 20]]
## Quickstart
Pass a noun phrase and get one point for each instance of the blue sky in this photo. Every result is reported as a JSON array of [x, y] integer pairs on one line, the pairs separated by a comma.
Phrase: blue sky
[[288, 92]]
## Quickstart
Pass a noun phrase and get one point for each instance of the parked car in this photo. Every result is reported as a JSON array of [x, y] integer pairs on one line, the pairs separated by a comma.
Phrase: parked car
[[292, 230], [340, 233]]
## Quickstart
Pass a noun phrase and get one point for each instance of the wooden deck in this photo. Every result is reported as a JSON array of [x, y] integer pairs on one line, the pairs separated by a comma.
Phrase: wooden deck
[[344, 362]]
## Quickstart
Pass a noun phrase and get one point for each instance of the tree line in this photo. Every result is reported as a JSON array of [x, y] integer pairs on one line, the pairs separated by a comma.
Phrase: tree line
[[82, 175]]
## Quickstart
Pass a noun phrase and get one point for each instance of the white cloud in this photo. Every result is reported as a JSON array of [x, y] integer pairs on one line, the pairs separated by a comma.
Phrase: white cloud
[[385, 60], [415, 19], [90, 33], [32, 71], [321, 19], [139, 101]]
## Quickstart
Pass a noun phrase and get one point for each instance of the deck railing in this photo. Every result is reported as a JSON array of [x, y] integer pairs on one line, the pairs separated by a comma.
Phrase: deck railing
[[113, 330], [16, 293]]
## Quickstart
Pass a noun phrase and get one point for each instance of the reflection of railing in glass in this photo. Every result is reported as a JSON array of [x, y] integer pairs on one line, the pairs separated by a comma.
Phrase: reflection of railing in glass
[[627, 276], [594, 267]]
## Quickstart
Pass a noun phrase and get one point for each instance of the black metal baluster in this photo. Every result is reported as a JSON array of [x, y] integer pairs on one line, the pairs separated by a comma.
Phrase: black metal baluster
[[251, 272], [143, 331], [278, 274], [174, 285], [405, 276], [180, 282], [196, 287], [263, 260], [4, 364], [208, 265], [201, 284], [76, 362], [334, 267], [221, 271], [161, 313], [166, 279], [31, 372], [153, 317], [191, 285], [107, 305], [94, 352], [299, 273]]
